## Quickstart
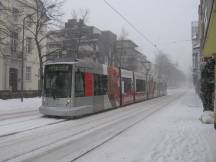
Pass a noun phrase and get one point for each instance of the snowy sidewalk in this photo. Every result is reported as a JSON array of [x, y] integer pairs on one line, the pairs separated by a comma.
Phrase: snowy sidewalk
[[174, 134], [15, 105]]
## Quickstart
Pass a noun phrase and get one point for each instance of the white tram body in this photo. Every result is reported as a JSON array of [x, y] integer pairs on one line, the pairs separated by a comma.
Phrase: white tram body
[[73, 89]]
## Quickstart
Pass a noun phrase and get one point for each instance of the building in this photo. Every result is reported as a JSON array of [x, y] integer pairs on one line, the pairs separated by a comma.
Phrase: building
[[128, 57], [12, 15], [77, 40], [196, 55], [207, 22]]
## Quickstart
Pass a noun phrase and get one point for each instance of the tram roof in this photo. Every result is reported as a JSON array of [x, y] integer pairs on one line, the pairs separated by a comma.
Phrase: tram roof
[[52, 63]]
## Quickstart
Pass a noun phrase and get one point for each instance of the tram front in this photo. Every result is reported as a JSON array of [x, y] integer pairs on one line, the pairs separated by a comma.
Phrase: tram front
[[57, 93]]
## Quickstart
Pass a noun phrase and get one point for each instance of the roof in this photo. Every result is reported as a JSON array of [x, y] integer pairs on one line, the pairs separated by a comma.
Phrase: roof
[[128, 41]]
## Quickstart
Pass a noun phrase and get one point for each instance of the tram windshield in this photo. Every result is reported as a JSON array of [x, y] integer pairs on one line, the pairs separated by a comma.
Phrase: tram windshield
[[57, 83]]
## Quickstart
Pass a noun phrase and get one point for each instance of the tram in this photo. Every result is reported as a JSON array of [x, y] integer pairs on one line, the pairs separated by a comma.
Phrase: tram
[[73, 89]]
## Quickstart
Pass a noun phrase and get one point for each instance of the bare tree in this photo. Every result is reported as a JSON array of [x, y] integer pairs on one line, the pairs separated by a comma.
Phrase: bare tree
[[74, 15], [123, 36], [43, 15], [168, 70], [82, 18], [4, 34], [4, 27], [74, 35]]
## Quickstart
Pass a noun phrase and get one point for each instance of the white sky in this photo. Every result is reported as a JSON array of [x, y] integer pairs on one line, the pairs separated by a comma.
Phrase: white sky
[[162, 21]]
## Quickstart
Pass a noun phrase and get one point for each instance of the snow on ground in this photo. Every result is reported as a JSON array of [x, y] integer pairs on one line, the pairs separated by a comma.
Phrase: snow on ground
[[174, 134], [15, 105], [24, 126]]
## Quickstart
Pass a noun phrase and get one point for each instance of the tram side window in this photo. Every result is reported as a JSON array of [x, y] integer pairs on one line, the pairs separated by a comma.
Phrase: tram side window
[[79, 84], [140, 85], [126, 85], [100, 84]]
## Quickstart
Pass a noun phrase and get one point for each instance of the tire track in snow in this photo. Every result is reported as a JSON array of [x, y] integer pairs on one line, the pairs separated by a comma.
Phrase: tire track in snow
[[58, 144], [12, 129], [20, 114], [181, 143], [179, 147]]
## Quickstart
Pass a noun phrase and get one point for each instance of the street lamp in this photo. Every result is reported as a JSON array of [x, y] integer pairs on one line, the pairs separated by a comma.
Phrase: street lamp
[[148, 68], [120, 68], [22, 63], [23, 53]]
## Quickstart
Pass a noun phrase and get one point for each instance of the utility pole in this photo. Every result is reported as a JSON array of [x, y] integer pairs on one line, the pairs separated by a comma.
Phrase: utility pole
[[22, 61], [120, 67], [148, 67], [23, 57], [147, 71]]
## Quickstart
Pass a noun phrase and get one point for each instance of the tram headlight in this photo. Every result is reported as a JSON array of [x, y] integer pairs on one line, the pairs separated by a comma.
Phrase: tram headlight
[[68, 102]]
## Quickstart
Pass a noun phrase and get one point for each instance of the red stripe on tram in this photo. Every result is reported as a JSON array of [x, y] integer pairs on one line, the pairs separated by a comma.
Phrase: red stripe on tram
[[88, 84]]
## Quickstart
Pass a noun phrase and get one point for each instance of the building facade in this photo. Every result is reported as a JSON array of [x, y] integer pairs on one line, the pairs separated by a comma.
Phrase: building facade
[[207, 25], [196, 57], [207, 22], [12, 14], [128, 57], [79, 41]]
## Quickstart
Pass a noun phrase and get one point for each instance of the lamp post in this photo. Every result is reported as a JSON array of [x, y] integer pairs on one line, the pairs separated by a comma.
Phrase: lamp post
[[23, 54], [120, 67], [147, 67], [22, 59]]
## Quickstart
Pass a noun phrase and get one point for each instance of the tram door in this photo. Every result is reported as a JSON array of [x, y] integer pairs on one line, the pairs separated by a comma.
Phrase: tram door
[[13, 73], [100, 91], [83, 89]]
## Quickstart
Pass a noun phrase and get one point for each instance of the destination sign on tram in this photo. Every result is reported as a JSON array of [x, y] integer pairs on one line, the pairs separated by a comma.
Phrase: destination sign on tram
[[54, 68]]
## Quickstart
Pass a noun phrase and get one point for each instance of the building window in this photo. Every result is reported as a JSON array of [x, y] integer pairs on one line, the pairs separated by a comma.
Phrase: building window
[[140, 85], [13, 79], [126, 85], [15, 13], [14, 42], [28, 73], [29, 21], [29, 45]]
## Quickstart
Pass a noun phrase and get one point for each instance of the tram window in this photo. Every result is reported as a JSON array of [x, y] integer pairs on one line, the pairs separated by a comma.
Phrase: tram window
[[140, 85], [127, 85], [100, 84], [79, 84], [57, 83]]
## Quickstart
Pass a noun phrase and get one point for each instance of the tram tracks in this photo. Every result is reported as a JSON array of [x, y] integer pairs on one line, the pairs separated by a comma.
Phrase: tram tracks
[[86, 120], [14, 132], [12, 115], [51, 141], [10, 122]]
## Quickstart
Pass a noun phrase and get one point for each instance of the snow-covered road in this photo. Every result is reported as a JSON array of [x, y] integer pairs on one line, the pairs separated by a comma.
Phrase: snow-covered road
[[173, 134], [165, 129]]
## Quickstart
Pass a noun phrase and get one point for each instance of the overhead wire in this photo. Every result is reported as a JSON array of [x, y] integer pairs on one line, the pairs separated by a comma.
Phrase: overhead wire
[[139, 32], [132, 25], [175, 42]]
